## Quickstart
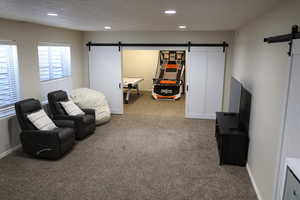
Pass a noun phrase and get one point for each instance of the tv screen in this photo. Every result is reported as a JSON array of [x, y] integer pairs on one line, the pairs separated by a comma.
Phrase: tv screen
[[235, 94], [245, 108]]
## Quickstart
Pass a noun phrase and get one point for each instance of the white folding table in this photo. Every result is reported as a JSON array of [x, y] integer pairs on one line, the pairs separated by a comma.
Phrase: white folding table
[[130, 83]]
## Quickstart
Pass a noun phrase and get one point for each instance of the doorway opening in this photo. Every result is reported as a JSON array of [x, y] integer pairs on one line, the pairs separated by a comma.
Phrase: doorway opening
[[154, 82]]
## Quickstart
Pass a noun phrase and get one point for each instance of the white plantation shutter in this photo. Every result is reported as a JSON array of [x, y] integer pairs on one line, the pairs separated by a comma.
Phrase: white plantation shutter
[[55, 68], [54, 62], [9, 87]]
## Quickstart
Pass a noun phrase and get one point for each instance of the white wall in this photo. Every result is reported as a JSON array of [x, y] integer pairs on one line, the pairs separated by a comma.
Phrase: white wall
[[166, 37], [65, 84], [263, 68], [27, 36], [140, 63]]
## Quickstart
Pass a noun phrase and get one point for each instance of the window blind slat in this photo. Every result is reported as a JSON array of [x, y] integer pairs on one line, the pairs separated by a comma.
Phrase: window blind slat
[[52, 62], [9, 93]]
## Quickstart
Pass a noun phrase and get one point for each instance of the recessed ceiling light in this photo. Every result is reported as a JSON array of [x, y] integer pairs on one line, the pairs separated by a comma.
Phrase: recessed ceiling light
[[107, 27], [52, 14], [182, 26], [170, 12]]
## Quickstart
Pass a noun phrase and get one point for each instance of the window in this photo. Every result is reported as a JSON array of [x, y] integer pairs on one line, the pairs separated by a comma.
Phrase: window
[[54, 62], [55, 68], [9, 86]]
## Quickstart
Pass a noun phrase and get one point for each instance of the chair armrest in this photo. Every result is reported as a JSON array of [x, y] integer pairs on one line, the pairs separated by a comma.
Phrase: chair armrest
[[66, 117], [88, 111], [64, 123], [61, 117], [91, 112], [77, 120], [41, 137]]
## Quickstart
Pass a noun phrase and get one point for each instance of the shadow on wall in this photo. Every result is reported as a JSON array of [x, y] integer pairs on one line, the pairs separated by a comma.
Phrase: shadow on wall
[[13, 131]]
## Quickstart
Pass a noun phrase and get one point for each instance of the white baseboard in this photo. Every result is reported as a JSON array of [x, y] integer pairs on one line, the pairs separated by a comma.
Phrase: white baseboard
[[9, 151], [253, 182]]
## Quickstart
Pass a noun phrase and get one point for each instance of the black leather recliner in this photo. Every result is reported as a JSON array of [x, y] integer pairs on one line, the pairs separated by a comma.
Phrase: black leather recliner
[[84, 125], [51, 144]]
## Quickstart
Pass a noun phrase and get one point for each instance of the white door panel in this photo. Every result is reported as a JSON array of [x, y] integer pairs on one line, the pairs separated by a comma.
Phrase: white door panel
[[205, 78], [215, 79], [196, 84], [290, 136], [105, 69]]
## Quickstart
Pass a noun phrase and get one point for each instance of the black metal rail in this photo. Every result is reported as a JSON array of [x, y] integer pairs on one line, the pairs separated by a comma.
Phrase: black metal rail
[[189, 45], [295, 34]]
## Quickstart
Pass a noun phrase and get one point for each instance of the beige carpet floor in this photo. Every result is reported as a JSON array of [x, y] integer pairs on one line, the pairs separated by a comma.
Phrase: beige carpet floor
[[150, 153], [144, 104]]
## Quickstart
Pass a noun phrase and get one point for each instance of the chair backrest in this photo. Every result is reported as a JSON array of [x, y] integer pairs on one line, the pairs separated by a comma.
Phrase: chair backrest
[[25, 107], [54, 98]]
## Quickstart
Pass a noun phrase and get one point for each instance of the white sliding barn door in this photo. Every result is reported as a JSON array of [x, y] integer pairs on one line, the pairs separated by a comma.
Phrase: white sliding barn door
[[291, 136], [205, 81], [105, 75]]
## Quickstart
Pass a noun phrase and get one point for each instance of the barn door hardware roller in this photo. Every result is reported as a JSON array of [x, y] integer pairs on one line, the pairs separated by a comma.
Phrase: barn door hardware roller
[[120, 44], [89, 44], [224, 46], [295, 34], [189, 46]]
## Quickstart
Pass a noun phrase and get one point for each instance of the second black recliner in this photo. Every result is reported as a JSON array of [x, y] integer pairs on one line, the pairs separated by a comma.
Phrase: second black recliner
[[84, 125]]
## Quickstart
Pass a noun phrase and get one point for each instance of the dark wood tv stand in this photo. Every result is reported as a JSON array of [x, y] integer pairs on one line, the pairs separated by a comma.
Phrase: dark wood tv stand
[[232, 139]]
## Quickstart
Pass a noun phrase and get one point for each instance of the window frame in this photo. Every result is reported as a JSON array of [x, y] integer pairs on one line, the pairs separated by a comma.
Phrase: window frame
[[9, 110], [49, 44]]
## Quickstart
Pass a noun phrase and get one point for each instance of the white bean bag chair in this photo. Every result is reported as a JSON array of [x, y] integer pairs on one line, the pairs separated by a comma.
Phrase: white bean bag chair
[[88, 98]]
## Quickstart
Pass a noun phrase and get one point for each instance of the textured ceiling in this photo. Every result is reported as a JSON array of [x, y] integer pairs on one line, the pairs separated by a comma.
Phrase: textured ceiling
[[136, 15]]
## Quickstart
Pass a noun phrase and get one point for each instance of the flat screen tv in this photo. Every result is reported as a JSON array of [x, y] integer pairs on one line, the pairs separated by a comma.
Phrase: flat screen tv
[[245, 108], [235, 94]]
